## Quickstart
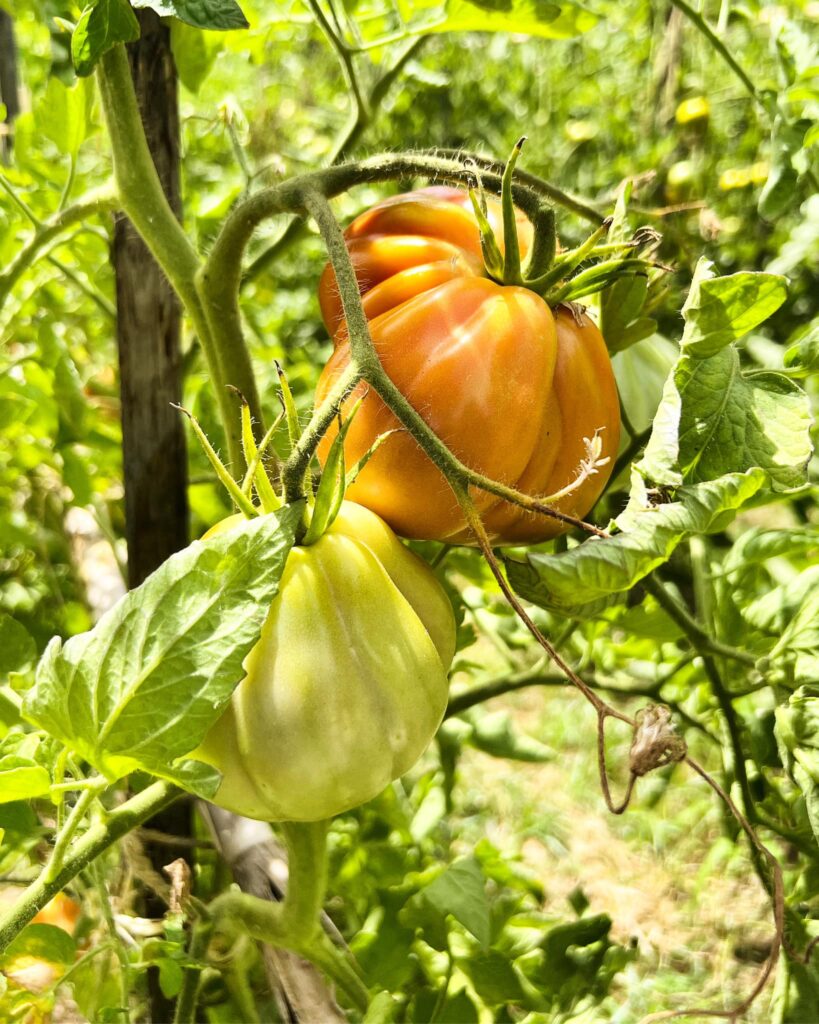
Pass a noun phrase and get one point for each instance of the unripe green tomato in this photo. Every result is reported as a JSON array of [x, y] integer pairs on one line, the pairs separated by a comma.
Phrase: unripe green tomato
[[680, 181], [348, 683]]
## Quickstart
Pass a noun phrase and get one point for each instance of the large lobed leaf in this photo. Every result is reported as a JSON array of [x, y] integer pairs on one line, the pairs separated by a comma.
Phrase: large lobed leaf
[[714, 418], [599, 569], [219, 15], [102, 25], [143, 687]]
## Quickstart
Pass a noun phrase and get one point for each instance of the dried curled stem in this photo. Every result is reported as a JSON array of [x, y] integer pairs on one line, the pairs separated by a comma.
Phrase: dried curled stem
[[654, 745]]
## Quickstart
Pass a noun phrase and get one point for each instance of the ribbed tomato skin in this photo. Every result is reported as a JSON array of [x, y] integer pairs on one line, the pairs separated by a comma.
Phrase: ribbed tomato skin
[[347, 684], [510, 386]]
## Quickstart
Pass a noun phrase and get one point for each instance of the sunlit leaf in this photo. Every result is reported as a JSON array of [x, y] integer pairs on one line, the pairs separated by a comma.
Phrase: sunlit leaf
[[599, 569], [143, 687], [214, 14], [102, 25]]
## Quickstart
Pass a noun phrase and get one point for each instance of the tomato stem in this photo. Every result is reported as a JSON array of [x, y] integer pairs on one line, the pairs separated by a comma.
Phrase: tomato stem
[[140, 195], [307, 881], [83, 851], [295, 924]]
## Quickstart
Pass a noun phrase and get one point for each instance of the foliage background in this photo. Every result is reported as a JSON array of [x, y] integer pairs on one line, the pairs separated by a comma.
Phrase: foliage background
[[619, 101]]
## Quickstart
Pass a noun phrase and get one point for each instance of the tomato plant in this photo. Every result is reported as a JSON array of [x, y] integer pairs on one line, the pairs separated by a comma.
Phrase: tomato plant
[[301, 768]]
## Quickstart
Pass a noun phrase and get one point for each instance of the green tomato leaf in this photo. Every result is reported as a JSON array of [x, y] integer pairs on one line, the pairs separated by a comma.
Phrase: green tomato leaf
[[382, 1010], [220, 15], [797, 734], [170, 977], [713, 417], [620, 306], [17, 648], [563, 973], [42, 942], [143, 687], [802, 358], [600, 569], [799, 643], [102, 25], [720, 310], [730, 420], [795, 998], [193, 54], [461, 892], [494, 733], [494, 978], [64, 114], [22, 779], [776, 610]]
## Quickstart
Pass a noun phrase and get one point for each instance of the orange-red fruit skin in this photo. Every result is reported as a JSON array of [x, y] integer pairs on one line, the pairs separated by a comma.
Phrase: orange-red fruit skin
[[511, 387]]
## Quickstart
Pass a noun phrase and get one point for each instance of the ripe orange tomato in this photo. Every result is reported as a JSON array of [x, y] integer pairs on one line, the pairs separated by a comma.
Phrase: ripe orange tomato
[[61, 911], [509, 386]]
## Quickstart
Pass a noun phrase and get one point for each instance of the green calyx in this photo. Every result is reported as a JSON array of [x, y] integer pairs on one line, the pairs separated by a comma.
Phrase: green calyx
[[256, 494], [565, 276]]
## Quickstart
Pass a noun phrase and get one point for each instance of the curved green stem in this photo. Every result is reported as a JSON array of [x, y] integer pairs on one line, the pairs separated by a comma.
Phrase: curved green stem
[[295, 923], [224, 265], [99, 201], [702, 25], [185, 1009], [87, 796], [542, 188], [307, 879], [144, 201], [86, 849]]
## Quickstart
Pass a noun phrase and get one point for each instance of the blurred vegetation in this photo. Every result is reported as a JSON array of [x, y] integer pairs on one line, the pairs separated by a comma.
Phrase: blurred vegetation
[[641, 95]]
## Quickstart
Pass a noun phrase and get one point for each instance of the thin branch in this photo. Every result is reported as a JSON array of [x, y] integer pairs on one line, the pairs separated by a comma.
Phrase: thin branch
[[99, 201], [359, 121], [703, 643], [512, 683], [87, 848], [605, 711], [777, 898], [702, 25], [345, 59]]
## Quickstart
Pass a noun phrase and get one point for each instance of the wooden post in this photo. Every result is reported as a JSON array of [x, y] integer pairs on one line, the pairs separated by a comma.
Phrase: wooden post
[[9, 89], [148, 334], [153, 438]]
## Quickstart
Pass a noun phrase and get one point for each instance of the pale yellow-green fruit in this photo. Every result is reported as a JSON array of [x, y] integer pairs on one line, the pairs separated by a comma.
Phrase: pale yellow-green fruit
[[348, 683]]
